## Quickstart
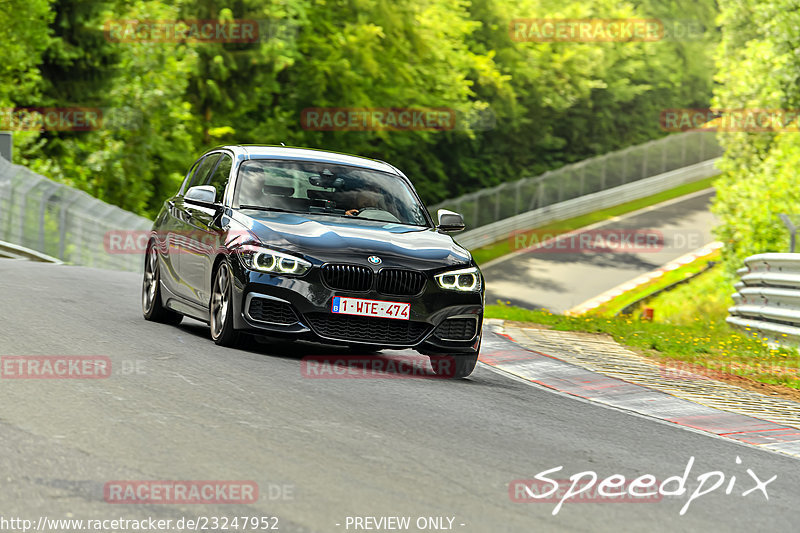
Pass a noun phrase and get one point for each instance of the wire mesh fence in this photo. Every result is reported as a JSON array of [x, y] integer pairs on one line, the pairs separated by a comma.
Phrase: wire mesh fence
[[71, 225], [62, 222], [591, 175]]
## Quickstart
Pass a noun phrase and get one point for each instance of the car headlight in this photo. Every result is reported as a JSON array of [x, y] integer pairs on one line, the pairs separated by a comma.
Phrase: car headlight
[[265, 260], [466, 280]]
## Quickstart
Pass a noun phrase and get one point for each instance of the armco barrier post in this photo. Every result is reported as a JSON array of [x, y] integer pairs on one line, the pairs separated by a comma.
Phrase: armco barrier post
[[6, 145], [790, 225]]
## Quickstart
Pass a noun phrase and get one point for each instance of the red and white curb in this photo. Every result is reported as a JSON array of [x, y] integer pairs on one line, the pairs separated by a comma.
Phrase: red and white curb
[[647, 277], [501, 352]]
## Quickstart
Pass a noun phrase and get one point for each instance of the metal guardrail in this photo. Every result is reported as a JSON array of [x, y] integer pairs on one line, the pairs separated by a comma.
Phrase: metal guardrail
[[12, 251], [592, 175], [62, 222], [767, 299], [496, 231]]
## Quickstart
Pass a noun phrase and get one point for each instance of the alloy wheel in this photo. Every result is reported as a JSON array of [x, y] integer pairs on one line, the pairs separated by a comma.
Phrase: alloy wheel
[[219, 301], [150, 284]]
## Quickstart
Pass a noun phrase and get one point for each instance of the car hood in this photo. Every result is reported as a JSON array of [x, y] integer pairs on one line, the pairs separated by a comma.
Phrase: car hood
[[330, 239]]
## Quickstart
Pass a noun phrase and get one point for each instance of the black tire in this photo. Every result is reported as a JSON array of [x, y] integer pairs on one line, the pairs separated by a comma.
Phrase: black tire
[[220, 307], [453, 366], [152, 306]]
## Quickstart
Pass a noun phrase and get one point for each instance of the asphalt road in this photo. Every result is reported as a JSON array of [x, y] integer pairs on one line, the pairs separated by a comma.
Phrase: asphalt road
[[548, 278], [177, 407]]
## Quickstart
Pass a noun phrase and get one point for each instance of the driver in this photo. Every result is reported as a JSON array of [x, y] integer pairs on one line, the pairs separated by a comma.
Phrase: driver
[[363, 200]]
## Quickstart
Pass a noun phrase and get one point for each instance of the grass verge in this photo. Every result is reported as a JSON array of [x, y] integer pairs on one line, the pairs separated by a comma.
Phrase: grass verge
[[617, 304], [681, 305], [487, 253], [704, 342]]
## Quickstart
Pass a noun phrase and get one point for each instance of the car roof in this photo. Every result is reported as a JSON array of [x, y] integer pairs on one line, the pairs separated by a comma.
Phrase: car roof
[[253, 151]]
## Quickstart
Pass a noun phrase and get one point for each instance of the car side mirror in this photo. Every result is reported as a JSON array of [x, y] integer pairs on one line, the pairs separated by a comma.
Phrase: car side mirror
[[450, 221], [202, 194]]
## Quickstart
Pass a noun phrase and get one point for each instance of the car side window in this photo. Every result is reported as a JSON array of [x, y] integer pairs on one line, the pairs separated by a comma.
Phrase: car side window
[[188, 179], [220, 177], [203, 171]]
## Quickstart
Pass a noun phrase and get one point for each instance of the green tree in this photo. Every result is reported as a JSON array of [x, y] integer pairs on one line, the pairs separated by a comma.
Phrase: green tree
[[522, 108], [148, 133], [757, 68], [24, 35]]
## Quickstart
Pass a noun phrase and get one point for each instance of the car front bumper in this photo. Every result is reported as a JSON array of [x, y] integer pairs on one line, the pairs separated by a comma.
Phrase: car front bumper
[[310, 300]]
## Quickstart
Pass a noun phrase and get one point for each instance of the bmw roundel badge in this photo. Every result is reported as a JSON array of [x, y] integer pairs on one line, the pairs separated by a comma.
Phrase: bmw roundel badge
[[374, 259]]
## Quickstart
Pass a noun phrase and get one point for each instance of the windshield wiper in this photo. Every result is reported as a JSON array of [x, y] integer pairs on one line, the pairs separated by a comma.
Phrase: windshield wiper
[[265, 208], [325, 213], [399, 222], [311, 213], [282, 210]]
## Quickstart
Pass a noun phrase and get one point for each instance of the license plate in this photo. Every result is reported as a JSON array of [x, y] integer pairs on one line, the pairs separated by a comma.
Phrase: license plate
[[379, 308]]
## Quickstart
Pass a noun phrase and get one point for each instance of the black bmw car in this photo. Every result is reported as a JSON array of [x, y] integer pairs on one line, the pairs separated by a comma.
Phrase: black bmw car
[[290, 242]]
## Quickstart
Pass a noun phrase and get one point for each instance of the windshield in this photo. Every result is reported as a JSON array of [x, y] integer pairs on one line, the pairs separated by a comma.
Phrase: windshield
[[324, 189]]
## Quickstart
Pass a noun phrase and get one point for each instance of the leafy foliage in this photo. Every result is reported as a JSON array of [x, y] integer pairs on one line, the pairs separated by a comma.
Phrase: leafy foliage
[[21, 46], [758, 68], [522, 108]]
